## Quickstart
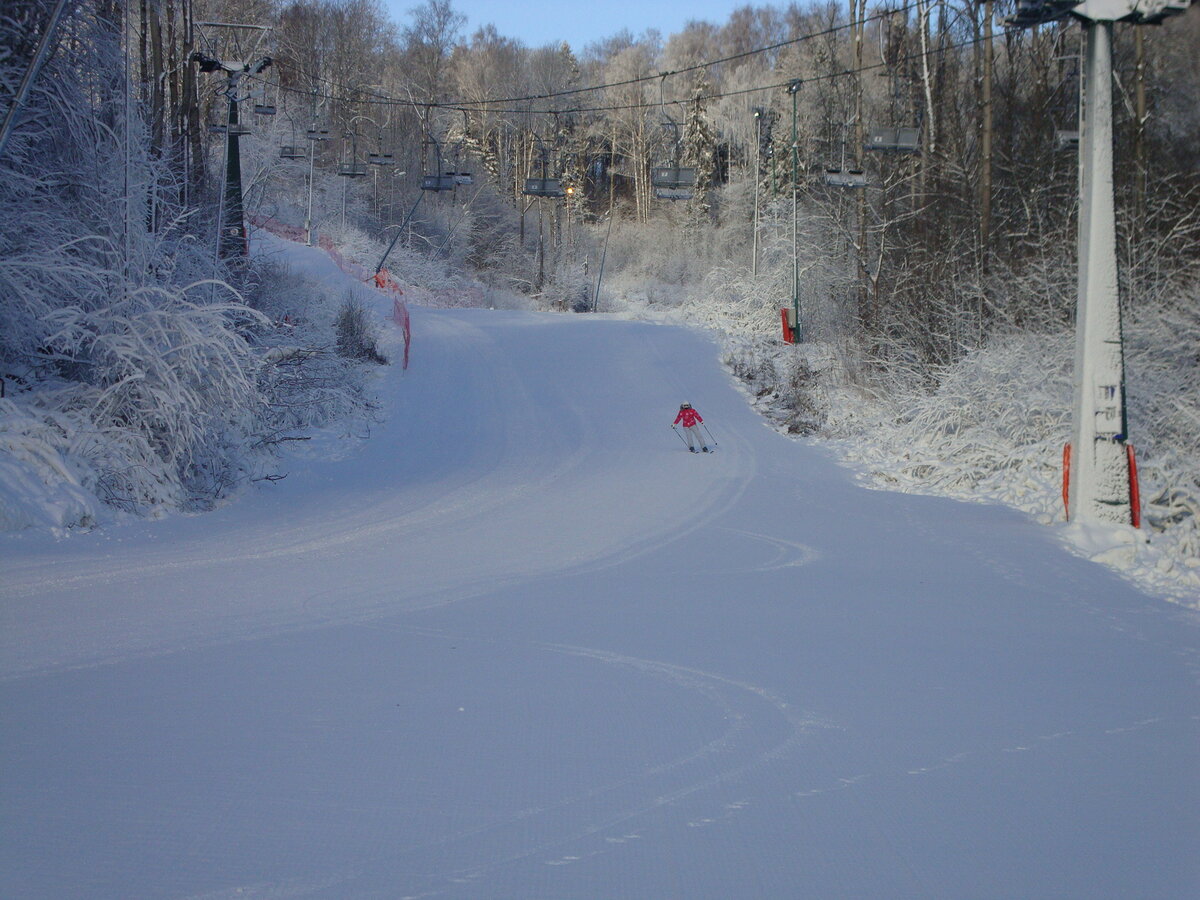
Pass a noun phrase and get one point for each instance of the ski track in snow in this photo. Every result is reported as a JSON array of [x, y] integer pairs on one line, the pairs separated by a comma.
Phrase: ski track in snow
[[511, 484], [739, 703]]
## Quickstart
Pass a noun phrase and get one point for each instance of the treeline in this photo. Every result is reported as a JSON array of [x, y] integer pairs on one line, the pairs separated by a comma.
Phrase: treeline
[[918, 262]]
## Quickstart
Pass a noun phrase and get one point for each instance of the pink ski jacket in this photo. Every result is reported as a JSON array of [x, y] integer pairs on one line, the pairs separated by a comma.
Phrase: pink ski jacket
[[689, 417]]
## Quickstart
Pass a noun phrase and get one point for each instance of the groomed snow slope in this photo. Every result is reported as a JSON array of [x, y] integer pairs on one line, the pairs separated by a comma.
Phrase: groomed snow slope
[[522, 644]]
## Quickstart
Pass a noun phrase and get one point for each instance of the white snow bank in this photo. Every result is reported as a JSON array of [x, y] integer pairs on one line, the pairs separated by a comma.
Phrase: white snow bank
[[39, 485]]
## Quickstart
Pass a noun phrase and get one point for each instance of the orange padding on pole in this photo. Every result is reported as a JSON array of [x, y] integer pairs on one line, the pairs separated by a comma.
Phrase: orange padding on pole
[[788, 337], [400, 317], [1135, 495], [1066, 489]]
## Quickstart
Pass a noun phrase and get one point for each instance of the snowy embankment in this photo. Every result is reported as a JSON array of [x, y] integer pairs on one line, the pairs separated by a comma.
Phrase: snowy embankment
[[520, 643], [194, 390], [992, 429]]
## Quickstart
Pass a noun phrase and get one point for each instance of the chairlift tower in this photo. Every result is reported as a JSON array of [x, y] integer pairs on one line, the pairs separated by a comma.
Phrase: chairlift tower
[[1099, 484], [242, 41], [316, 135]]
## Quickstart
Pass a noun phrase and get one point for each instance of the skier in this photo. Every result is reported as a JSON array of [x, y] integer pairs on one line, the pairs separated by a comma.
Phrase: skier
[[692, 421]]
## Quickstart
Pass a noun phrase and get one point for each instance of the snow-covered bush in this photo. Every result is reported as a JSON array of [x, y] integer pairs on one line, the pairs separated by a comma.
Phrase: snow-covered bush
[[357, 333], [568, 288], [304, 382]]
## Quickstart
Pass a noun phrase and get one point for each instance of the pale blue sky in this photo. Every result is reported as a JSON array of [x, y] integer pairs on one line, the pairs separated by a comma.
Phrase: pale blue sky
[[579, 22]]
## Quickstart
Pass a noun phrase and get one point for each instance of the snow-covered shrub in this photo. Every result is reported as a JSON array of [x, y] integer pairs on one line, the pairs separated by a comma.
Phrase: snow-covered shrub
[[357, 333], [1163, 372], [787, 384], [568, 288], [42, 485], [303, 381]]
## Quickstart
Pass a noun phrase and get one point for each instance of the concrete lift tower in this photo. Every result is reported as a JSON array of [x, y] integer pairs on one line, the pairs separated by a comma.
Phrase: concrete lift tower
[[1099, 482]]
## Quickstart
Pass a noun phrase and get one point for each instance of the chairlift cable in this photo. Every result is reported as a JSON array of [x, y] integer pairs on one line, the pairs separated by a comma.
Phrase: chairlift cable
[[717, 95]]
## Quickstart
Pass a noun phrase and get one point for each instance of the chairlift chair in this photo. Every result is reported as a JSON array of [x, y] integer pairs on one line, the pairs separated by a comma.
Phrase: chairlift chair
[[544, 187], [898, 140], [262, 103], [438, 182], [464, 178], [846, 178], [291, 151], [673, 177], [318, 134], [673, 182], [381, 159], [350, 166]]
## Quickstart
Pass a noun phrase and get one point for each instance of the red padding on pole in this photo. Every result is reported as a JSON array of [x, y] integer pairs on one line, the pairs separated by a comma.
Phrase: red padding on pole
[[788, 337], [1135, 495], [1066, 487]]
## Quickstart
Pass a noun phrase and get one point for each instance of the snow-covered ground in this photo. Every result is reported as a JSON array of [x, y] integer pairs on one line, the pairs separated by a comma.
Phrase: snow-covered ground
[[522, 644]]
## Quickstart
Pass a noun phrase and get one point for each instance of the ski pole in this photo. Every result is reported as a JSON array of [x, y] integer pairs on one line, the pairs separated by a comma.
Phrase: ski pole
[[680, 436], [710, 435]]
